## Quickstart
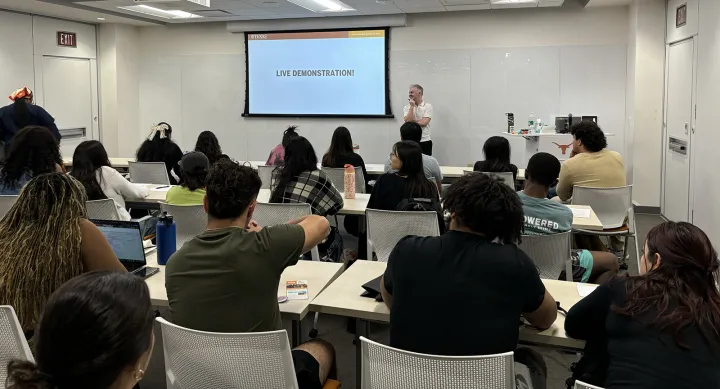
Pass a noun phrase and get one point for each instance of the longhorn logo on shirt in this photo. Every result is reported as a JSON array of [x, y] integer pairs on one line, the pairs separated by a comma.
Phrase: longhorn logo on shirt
[[563, 147]]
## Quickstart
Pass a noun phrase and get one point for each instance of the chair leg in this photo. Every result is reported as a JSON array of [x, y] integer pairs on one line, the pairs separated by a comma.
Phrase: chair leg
[[314, 332]]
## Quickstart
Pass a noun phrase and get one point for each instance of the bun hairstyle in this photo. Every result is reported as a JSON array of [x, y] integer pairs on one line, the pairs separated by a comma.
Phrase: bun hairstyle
[[289, 134], [108, 332]]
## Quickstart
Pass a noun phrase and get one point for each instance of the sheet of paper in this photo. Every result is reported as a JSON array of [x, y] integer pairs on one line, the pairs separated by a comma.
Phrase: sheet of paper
[[296, 290], [582, 213], [585, 289]]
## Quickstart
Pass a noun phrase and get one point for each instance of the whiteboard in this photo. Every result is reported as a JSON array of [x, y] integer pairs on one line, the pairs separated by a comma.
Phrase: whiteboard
[[470, 90]]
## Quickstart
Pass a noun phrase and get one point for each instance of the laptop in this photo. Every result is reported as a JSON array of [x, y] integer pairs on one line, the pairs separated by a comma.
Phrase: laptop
[[125, 238]]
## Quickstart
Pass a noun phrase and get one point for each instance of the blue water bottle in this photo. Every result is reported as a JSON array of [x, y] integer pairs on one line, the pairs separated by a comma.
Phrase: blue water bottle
[[166, 238]]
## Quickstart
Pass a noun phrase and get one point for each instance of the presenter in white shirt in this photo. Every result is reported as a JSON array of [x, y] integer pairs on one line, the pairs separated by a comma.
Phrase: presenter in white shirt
[[420, 112]]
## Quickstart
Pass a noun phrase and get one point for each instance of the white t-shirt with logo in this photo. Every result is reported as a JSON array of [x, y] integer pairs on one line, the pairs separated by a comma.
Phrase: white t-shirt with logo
[[424, 110]]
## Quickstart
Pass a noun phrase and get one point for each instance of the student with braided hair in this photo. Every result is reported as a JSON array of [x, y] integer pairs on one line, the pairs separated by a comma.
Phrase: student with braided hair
[[473, 278], [46, 240]]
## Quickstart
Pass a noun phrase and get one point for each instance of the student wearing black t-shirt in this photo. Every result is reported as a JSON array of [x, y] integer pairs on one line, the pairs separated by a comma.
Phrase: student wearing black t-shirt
[[474, 280], [659, 330], [497, 157], [341, 153]]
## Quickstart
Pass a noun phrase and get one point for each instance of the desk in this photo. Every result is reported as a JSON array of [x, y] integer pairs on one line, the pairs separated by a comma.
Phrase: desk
[[343, 298], [318, 275], [118, 163], [591, 223]]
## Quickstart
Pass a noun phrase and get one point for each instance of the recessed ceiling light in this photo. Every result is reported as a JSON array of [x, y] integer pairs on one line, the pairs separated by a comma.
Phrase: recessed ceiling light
[[323, 5], [100, 18], [161, 13], [384, 1]]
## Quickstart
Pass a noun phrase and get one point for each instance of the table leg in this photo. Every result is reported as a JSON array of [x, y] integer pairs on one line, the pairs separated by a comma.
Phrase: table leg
[[361, 329], [296, 338]]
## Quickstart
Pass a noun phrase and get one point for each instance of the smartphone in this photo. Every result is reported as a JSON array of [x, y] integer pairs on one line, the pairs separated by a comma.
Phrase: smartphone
[[146, 272]]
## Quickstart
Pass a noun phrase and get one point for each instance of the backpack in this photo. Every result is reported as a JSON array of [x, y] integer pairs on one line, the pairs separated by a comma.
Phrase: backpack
[[423, 204]]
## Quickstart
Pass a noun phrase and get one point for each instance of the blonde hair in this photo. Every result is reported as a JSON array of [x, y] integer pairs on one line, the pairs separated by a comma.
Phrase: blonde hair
[[40, 242]]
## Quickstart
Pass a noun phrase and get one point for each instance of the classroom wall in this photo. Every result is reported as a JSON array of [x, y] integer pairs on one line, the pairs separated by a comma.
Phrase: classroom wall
[[16, 54], [644, 103], [193, 77]]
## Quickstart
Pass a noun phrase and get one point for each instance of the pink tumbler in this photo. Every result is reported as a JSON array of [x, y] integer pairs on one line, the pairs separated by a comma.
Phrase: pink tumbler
[[349, 181]]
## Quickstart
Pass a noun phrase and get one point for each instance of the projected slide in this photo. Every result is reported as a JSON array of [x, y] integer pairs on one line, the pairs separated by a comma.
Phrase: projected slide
[[317, 73]]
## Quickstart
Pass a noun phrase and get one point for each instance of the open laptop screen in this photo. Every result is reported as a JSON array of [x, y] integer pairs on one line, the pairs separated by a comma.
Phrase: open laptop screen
[[125, 239]]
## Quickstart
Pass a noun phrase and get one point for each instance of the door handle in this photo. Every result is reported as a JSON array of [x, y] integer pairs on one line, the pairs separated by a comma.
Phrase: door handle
[[686, 128]]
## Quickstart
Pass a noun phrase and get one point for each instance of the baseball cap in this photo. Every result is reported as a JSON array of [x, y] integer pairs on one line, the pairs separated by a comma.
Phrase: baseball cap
[[194, 162]]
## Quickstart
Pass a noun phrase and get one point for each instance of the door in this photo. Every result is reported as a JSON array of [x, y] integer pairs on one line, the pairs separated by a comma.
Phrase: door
[[67, 94], [678, 130]]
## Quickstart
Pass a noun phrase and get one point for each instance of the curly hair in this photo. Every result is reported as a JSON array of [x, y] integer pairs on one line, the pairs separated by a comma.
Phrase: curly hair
[[486, 205], [208, 144], [231, 188], [590, 134], [33, 151]]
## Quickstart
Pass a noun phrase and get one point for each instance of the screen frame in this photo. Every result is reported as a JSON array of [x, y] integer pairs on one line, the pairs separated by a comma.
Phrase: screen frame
[[388, 109]]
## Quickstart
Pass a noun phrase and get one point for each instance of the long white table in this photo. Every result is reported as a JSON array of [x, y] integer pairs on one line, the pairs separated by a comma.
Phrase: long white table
[[354, 206], [343, 298], [318, 275]]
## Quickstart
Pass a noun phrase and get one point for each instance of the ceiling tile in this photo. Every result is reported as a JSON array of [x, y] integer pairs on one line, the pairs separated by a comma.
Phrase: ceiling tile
[[467, 7]]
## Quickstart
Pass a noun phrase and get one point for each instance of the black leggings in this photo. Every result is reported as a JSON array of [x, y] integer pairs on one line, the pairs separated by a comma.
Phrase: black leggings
[[426, 147]]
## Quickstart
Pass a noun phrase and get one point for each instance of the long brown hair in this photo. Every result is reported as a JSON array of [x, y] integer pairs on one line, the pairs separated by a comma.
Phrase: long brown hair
[[685, 277], [40, 243]]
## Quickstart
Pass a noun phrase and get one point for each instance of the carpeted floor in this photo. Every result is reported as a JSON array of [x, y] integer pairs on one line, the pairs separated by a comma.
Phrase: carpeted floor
[[332, 329]]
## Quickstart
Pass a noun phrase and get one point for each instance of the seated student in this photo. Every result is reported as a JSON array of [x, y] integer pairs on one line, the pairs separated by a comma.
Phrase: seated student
[[412, 131], [158, 147], [474, 279], [226, 279], [207, 143], [46, 240], [194, 167], [544, 216], [91, 166], [497, 157], [341, 153], [407, 181], [659, 330], [299, 180], [34, 151], [590, 163], [277, 155], [115, 309]]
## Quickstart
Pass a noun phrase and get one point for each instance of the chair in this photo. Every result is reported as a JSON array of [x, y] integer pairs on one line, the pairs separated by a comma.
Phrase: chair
[[337, 177], [550, 253], [384, 367], [506, 177], [386, 228], [267, 214], [197, 359], [190, 221], [12, 341], [6, 202], [266, 176], [613, 206], [582, 385], [102, 209], [149, 173]]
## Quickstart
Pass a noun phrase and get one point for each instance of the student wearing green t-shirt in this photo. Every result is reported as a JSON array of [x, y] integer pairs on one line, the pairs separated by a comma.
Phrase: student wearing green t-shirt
[[544, 217], [191, 191], [226, 279]]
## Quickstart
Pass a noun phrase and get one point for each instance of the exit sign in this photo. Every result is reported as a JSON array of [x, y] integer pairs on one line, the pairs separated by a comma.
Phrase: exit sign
[[67, 39]]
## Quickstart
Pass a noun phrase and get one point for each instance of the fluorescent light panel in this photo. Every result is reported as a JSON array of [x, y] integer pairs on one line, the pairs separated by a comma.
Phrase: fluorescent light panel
[[323, 5], [161, 13]]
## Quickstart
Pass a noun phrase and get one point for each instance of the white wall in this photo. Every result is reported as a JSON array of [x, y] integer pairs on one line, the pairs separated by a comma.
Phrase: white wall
[[16, 54], [193, 77], [646, 70], [707, 136]]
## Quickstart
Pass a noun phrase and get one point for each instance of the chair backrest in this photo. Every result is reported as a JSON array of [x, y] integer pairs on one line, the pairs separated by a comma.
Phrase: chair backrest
[[190, 221], [582, 385], [7, 202], [384, 367], [197, 359], [12, 341], [148, 173], [506, 177], [609, 204], [105, 209], [267, 214], [337, 177], [550, 253], [266, 175], [386, 228]]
